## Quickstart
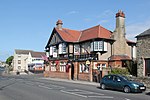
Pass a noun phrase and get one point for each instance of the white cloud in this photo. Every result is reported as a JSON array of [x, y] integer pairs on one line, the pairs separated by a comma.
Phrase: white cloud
[[106, 13], [72, 12], [103, 21], [133, 30]]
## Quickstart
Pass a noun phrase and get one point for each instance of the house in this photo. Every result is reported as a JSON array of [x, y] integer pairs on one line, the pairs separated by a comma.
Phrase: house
[[25, 58], [143, 54], [82, 55], [36, 61]]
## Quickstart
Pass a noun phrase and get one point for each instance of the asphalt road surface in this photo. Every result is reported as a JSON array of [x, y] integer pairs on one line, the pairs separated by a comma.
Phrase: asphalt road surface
[[34, 87]]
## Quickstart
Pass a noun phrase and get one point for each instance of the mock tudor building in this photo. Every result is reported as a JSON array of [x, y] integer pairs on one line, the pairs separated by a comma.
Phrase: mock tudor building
[[143, 53], [81, 55]]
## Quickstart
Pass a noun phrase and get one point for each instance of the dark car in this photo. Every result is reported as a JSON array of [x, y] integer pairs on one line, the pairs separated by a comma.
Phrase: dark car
[[119, 82]]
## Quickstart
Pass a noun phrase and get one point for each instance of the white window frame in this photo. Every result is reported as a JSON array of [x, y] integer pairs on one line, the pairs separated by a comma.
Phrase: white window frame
[[53, 66], [62, 67]]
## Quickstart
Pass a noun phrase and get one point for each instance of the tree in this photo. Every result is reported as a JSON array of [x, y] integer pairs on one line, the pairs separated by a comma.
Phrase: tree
[[9, 60]]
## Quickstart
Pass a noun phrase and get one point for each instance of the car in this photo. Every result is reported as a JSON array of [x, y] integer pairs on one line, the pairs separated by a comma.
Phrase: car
[[120, 82]]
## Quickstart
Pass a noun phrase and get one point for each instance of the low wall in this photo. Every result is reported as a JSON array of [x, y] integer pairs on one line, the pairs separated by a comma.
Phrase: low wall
[[56, 75], [84, 76]]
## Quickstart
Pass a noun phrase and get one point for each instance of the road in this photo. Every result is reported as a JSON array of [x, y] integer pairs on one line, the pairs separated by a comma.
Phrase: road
[[33, 87]]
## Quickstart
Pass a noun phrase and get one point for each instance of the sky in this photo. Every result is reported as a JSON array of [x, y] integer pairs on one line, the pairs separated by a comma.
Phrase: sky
[[28, 24]]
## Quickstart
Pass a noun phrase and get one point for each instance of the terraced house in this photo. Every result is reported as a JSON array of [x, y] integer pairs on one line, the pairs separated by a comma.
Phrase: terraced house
[[82, 55]]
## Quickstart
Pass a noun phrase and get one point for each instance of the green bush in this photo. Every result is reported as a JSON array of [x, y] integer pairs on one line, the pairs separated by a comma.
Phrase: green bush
[[121, 71]]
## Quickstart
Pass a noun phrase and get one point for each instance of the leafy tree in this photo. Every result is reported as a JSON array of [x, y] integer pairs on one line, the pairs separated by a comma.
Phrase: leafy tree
[[9, 60]]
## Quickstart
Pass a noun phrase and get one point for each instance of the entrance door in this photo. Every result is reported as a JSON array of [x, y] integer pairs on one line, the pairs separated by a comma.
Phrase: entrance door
[[147, 67], [72, 71]]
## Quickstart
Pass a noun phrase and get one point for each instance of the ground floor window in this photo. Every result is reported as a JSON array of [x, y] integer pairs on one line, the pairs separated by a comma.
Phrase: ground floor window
[[62, 67], [83, 68], [53, 66]]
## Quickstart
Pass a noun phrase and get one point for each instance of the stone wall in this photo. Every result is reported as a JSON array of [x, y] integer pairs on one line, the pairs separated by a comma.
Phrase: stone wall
[[143, 51]]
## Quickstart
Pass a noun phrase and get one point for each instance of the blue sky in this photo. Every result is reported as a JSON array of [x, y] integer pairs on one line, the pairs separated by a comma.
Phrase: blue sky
[[27, 24]]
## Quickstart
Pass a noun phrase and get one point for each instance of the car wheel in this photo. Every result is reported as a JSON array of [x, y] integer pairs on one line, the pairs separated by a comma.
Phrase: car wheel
[[127, 89], [103, 86]]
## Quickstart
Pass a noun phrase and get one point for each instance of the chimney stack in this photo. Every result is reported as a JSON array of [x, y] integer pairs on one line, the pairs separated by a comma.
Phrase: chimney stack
[[120, 14], [59, 24]]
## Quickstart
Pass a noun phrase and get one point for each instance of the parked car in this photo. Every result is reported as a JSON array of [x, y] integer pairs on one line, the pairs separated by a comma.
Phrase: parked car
[[119, 82]]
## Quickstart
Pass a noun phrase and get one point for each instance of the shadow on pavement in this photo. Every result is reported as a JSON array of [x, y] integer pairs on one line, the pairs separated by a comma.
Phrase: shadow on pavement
[[148, 93]]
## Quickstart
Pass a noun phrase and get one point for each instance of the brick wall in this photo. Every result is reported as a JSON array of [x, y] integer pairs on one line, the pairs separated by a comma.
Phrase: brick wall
[[59, 75], [83, 76]]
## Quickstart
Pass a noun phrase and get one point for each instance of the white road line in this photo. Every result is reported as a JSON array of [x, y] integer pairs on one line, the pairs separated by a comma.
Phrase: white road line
[[57, 86], [86, 92], [39, 83], [29, 83], [106, 97], [73, 94], [127, 99], [45, 87]]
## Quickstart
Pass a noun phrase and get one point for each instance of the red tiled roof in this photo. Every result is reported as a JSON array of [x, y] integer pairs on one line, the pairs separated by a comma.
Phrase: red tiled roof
[[95, 32], [78, 36], [120, 57], [68, 35]]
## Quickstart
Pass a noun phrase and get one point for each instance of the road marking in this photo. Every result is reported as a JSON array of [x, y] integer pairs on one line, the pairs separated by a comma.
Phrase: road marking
[[86, 92], [57, 86], [45, 87], [39, 83], [29, 83], [127, 99], [106, 97], [73, 94]]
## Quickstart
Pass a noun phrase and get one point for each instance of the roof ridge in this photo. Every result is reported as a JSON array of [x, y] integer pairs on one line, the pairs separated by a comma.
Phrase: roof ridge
[[80, 36]]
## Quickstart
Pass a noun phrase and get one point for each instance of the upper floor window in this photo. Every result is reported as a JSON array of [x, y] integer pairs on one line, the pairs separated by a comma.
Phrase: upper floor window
[[76, 49], [19, 61], [98, 46], [54, 49], [62, 48]]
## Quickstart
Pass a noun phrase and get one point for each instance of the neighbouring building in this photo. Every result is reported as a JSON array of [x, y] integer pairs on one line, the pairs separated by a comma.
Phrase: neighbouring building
[[25, 60], [143, 53], [83, 55]]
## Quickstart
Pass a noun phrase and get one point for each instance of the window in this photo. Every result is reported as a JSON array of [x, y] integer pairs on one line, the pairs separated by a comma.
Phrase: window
[[51, 51], [19, 61], [76, 49], [104, 65], [62, 67], [62, 48], [83, 68], [19, 67], [53, 66], [98, 46], [54, 49]]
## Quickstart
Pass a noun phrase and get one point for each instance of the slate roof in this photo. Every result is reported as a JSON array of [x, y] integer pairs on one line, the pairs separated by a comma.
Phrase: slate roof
[[18, 51], [145, 33], [37, 54], [33, 53]]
